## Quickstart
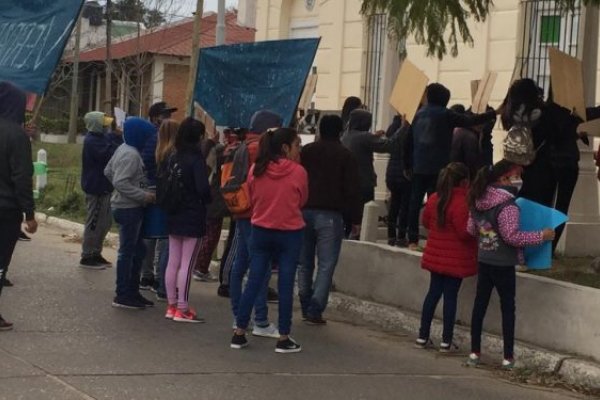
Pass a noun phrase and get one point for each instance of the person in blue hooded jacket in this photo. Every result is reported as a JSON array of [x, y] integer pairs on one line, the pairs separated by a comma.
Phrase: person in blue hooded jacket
[[125, 171], [98, 148]]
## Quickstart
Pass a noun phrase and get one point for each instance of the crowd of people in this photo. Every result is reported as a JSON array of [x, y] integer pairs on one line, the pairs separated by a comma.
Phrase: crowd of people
[[169, 186]]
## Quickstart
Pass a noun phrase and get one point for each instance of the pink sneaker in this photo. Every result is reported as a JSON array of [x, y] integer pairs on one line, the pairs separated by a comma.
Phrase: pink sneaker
[[171, 310], [187, 316]]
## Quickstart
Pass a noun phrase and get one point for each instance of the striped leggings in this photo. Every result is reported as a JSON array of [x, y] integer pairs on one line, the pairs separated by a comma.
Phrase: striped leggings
[[183, 252]]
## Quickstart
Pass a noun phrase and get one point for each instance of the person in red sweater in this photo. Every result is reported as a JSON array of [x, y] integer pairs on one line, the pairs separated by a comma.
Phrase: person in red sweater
[[451, 252], [278, 187]]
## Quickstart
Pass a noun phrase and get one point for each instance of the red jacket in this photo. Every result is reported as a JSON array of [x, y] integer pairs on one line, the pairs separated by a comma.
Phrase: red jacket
[[450, 250]]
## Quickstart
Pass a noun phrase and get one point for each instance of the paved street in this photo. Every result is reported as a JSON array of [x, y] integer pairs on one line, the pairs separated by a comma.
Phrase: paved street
[[69, 343]]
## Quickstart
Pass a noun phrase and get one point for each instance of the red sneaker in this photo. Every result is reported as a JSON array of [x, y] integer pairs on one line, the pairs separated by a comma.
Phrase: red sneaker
[[5, 325], [187, 316], [171, 310]]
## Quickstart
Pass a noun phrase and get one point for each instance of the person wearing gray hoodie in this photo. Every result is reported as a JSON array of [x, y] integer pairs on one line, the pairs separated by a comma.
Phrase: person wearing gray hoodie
[[16, 171], [125, 171]]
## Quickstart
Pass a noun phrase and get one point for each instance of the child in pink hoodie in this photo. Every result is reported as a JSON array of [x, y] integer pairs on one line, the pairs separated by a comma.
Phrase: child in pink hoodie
[[278, 187], [494, 220]]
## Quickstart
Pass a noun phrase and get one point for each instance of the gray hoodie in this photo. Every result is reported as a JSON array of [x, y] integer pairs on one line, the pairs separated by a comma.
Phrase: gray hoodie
[[125, 171]]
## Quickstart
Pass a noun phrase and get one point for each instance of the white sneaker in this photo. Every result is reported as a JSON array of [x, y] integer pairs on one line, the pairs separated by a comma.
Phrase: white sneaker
[[269, 331]]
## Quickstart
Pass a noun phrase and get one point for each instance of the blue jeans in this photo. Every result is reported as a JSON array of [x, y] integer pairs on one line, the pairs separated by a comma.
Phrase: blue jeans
[[322, 236], [131, 250], [282, 247], [440, 285], [241, 263]]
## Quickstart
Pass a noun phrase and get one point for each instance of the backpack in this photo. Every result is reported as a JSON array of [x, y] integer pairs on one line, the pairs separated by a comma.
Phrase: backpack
[[217, 208], [234, 187], [169, 188], [518, 145]]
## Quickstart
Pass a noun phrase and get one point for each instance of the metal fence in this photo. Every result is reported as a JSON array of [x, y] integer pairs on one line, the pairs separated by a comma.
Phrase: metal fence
[[377, 30], [546, 26]]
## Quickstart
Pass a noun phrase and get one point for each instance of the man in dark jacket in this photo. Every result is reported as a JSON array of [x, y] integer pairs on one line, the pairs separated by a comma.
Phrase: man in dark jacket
[[429, 143], [16, 171], [98, 148], [333, 193]]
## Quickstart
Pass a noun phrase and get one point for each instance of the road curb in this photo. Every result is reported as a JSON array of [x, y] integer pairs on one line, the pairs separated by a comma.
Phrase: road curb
[[112, 238], [572, 370]]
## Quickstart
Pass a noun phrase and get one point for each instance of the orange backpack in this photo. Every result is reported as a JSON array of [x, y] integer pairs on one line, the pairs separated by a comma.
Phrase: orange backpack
[[234, 187]]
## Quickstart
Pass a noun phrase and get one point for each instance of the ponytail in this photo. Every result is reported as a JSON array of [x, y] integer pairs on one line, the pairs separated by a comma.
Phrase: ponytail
[[450, 177], [487, 176], [271, 147]]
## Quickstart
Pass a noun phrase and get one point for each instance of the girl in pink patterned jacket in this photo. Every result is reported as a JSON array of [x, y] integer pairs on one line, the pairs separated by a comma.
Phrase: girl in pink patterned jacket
[[494, 220]]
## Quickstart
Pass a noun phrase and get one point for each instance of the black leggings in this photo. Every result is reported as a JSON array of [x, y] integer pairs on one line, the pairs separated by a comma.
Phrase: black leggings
[[504, 280]]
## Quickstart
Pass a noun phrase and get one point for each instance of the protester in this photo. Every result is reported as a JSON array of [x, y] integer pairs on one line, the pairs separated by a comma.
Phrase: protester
[[260, 122], [98, 148], [278, 190], [398, 183], [363, 144], [157, 244], [494, 220], [466, 147], [16, 171], [429, 143], [212, 150], [125, 171], [188, 223], [451, 252], [167, 134], [332, 171], [350, 104]]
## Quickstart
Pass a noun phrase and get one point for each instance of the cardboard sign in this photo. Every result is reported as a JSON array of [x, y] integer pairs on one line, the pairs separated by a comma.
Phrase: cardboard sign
[[592, 127], [120, 116], [484, 92], [201, 115], [409, 90], [308, 92], [566, 74], [474, 86]]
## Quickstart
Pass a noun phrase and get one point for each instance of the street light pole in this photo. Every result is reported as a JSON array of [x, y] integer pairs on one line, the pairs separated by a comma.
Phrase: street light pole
[[74, 106], [220, 36], [195, 57]]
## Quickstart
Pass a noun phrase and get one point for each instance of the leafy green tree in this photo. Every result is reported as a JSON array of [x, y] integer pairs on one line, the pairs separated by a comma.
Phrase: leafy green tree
[[440, 24], [136, 10]]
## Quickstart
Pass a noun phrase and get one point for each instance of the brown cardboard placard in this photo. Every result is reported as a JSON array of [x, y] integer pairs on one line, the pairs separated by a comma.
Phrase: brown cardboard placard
[[592, 127], [566, 74], [409, 90], [308, 92], [484, 92], [201, 115], [474, 86]]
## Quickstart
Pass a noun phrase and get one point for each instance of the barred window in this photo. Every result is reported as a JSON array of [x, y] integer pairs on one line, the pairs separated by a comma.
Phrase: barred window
[[377, 30], [544, 27]]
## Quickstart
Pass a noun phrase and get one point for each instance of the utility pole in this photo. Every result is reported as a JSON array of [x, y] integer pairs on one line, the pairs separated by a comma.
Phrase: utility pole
[[220, 36], [195, 56], [73, 111], [108, 62]]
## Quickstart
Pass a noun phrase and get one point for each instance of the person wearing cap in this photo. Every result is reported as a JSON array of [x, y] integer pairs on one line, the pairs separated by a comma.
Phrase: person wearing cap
[[157, 113], [16, 172], [98, 148]]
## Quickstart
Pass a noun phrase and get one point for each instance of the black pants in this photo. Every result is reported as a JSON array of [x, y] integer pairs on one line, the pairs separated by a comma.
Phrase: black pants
[[421, 184], [552, 186], [398, 214], [440, 285], [225, 266], [504, 280], [10, 227]]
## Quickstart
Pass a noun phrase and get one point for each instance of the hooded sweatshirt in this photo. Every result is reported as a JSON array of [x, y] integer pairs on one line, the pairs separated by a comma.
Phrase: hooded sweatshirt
[[16, 168], [125, 170], [278, 196], [98, 148], [495, 222], [363, 144]]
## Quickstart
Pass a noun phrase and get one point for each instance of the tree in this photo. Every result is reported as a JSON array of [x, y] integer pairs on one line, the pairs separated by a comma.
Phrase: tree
[[430, 20], [138, 11]]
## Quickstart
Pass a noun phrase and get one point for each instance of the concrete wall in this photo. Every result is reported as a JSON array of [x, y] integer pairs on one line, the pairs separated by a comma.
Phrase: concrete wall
[[551, 314]]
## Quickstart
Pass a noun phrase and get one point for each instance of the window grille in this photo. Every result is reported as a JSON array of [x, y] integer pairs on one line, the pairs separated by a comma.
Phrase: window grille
[[377, 31]]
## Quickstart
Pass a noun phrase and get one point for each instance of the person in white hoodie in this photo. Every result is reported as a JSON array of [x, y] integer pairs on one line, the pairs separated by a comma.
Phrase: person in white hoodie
[[125, 171]]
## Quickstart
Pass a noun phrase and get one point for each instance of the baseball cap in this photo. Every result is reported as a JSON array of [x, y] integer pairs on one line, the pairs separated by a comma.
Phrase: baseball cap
[[160, 108]]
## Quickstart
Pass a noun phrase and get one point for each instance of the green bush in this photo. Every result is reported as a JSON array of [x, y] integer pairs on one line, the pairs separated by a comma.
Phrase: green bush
[[58, 126]]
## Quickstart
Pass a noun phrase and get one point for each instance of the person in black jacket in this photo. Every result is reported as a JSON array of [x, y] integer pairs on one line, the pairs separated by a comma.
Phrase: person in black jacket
[[16, 171], [467, 146], [430, 141], [398, 183], [332, 193], [98, 148]]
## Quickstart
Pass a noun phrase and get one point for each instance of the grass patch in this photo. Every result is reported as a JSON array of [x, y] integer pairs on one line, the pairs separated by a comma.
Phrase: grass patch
[[63, 196], [572, 269]]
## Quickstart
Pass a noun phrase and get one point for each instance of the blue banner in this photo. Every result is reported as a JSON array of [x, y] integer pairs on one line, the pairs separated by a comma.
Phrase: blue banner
[[33, 34], [535, 217], [235, 81]]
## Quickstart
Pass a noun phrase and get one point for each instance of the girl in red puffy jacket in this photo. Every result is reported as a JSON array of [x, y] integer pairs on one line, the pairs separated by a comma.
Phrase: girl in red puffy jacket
[[451, 252]]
